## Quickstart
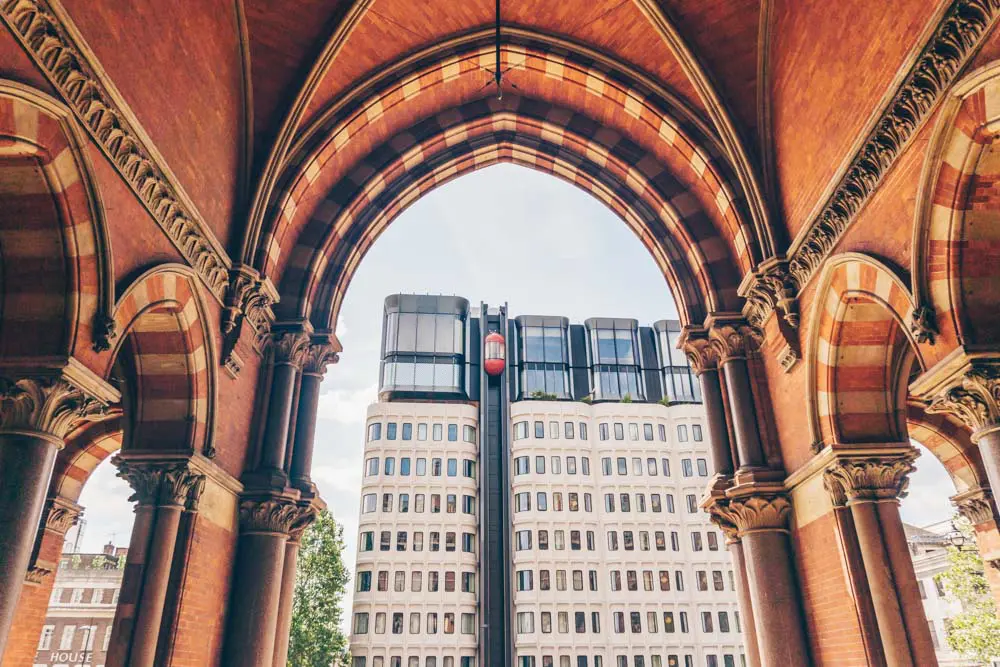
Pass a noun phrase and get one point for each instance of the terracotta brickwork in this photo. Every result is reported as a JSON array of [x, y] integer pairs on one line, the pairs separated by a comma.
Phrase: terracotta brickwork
[[185, 198]]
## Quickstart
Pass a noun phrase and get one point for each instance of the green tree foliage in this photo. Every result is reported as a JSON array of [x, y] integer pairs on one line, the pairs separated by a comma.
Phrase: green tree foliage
[[975, 633], [320, 582]]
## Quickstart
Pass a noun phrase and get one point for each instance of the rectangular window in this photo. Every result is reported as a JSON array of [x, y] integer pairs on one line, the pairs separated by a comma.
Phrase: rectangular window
[[468, 624], [522, 501], [368, 541], [390, 431], [701, 578], [421, 467], [583, 431], [404, 466], [361, 623], [468, 433], [706, 621], [525, 580], [723, 622], [421, 431], [619, 431], [520, 430], [539, 465], [696, 541], [416, 581], [702, 468], [713, 541], [662, 432], [568, 431], [525, 622], [692, 503], [554, 430], [374, 432], [369, 503], [452, 467], [585, 465], [449, 541], [468, 504], [523, 540], [718, 583], [633, 431], [399, 582], [522, 465], [647, 431], [622, 465], [451, 501], [570, 465], [696, 432], [371, 467], [682, 433], [437, 432], [452, 432], [468, 543], [407, 431], [541, 501], [603, 431], [45, 641], [606, 466], [539, 429]]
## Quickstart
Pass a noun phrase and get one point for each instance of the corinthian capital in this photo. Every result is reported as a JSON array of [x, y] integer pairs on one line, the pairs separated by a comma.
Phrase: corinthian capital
[[974, 398], [751, 514], [61, 515], [275, 514], [869, 479], [318, 355], [976, 506], [701, 353], [53, 405], [731, 340], [290, 347], [162, 483]]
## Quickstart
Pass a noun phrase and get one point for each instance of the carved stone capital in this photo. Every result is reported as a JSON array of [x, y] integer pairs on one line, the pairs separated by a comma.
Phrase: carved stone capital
[[162, 484], [290, 348], [275, 514], [319, 354], [61, 515], [36, 574], [731, 340], [868, 479], [750, 514], [976, 506], [53, 405], [974, 398], [702, 354]]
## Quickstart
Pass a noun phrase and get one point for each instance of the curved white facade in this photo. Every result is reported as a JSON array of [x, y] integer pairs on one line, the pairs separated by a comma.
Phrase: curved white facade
[[415, 601]]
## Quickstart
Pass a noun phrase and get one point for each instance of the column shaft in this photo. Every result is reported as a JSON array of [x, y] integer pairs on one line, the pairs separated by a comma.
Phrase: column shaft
[[881, 583], [746, 604], [154, 588], [857, 579], [305, 428], [898, 551], [253, 607], [279, 413], [775, 599], [715, 411], [26, 463], [285, 604], [131, 588], [748, 444]]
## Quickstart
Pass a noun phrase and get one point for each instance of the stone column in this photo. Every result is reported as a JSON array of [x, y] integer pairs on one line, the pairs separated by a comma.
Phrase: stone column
[[730, 342], [266, 521], [316, 358], [735, 547], [761, 522], [288, 588], [36, 413], [167, 488], [871, 487], [979, 509], [59, 516], [288, 352], [704, 362]]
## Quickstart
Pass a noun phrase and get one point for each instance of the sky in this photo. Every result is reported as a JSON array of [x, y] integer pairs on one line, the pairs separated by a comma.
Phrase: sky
[[502, 234]]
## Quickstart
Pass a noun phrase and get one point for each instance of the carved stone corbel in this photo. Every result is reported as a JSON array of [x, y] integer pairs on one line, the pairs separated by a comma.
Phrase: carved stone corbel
[[754, 513], [249, 300], [275, 514], [105, 332], [162, 483], [702, 354], [923, 324], [320, 353], [61, 515]]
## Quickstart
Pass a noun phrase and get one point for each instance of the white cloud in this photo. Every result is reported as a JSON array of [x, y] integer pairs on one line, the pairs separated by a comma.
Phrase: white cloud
[[346, 405]]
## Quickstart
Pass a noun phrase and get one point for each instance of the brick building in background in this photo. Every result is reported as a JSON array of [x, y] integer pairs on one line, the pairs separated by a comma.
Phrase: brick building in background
[[77, 628]]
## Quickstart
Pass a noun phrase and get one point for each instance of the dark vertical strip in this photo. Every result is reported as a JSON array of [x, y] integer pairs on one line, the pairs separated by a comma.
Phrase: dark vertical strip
[[495, 608]]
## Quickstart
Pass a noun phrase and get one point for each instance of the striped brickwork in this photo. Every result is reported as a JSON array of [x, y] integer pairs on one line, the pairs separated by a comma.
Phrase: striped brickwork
[[164, 337], [86, 448], [950, 443], [52, 272], [645, 196], [862, 352], [361, 132], [958, 247]]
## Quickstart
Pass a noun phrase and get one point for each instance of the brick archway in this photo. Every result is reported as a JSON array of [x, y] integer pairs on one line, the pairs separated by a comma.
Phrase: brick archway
[[171, 363], [57, 283], [955, 275], [353, 143]]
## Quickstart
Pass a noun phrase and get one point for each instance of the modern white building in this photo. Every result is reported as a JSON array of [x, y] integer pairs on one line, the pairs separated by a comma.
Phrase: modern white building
[[540, 510]]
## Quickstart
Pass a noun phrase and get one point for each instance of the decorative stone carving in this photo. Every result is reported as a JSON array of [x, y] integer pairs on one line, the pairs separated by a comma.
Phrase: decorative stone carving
[[36, 574], [731, 341], [958, 35], [61, 515], [318, 356], [105, 332], [162, 484], [976, 506], [868, 479], [274, 515], [50, 405], [104, 114], [923, 324], [249, 300], [701, 353], [975, 399], [290, 347], [752, 513], [299, 526]]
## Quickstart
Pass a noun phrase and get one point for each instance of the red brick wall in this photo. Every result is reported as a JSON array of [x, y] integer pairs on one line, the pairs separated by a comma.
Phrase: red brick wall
[[831, 619]]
